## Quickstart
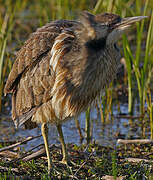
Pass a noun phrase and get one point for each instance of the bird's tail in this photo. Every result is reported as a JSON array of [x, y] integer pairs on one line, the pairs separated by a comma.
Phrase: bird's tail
[[26, 119]]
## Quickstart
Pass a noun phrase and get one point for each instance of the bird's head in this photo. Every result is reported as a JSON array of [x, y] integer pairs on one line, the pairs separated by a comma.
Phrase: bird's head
[[106, 26]]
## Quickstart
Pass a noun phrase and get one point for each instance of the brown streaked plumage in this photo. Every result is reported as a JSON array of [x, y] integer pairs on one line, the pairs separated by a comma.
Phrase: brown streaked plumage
[[62, 68]]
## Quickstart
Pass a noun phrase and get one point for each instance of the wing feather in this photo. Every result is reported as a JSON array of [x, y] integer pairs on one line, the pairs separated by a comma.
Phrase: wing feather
[[39, 43], [33, 91]]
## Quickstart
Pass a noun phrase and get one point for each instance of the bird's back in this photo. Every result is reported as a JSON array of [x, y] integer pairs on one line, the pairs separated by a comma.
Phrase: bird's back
[[38, 44], [32, 78]]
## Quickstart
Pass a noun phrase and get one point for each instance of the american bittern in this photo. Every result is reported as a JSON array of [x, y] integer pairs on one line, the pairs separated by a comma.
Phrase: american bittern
[[62, 68]]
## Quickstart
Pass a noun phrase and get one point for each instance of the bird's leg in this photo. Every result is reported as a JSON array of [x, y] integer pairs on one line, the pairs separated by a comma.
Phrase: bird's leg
[[44, 131], [64, 150], [79, 129]]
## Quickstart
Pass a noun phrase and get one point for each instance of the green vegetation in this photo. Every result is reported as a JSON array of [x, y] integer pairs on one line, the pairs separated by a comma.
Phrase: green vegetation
[[20, 18], [92, 163]]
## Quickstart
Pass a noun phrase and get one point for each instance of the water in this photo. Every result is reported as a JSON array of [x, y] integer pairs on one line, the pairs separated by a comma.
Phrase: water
[[104, 134]]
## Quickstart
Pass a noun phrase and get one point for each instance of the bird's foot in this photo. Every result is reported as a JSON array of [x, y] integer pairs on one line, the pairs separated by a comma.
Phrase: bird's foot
[[68, 162], [65, 161], [53, 170]]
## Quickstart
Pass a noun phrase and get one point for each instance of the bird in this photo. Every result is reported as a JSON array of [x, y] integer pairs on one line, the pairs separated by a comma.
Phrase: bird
[[62, 68]]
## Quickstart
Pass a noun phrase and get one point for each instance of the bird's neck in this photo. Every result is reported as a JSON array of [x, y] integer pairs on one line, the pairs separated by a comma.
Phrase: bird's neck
[[96, 44]]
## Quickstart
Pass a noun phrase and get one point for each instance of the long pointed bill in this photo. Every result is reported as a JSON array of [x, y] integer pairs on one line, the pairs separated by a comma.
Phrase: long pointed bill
[[126, 22]]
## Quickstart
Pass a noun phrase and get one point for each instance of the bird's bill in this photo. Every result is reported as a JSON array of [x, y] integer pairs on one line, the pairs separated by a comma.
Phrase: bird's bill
[[126, 22]]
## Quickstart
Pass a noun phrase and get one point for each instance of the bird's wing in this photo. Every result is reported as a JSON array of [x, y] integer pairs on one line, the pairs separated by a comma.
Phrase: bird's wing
[[33, 94], [36, 46]]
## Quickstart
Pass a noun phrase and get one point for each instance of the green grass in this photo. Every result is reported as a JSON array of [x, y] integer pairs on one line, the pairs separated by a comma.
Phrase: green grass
[[7, 20], [95, 163], [20, 18], [142, 74]]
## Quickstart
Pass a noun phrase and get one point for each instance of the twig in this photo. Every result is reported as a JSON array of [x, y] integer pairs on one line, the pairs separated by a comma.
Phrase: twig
[[128, 117], [8, 154], [135, 141], [28, 153], [34, 148], [137, 160], [33, 155], [74, 176], [7, 169], [112, 177], [19, 143], [36, 154]]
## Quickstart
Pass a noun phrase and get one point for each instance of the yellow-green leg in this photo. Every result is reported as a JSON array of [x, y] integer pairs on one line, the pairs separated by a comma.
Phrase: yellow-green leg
[[79, 129], [64, 150], [44, 131]]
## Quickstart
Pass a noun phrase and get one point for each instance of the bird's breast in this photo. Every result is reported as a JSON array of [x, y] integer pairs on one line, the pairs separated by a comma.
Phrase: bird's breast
[[73, 94], [78, 83]]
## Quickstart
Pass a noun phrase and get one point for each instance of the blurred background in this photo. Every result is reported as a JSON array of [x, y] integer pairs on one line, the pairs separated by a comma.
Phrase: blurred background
[[126, 110]]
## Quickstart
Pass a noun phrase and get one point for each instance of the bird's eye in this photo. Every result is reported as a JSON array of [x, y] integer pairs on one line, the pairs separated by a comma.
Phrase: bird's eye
[[116, 47]]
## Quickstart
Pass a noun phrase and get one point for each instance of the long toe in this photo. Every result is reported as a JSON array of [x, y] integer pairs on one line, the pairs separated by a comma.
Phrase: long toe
[[68, 162]]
